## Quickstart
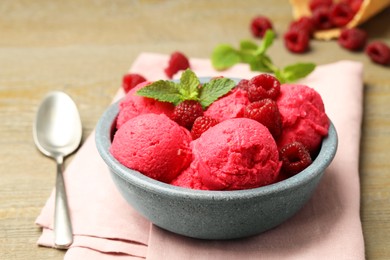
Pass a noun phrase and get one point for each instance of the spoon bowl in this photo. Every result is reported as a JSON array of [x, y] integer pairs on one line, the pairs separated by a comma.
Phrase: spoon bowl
[[57, 132]]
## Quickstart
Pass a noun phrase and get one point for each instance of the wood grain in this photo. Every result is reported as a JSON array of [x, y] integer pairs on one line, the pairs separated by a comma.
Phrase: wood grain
[[84, 48]]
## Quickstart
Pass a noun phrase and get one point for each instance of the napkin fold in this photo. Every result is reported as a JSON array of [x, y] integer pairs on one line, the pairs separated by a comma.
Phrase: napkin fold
[[327, 227]]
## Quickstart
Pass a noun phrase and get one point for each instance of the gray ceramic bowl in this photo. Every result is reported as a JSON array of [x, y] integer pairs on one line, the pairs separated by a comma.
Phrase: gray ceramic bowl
[[212, 214]]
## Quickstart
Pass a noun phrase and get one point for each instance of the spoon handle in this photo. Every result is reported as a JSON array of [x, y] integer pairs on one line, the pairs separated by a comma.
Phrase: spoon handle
[[63, 236]]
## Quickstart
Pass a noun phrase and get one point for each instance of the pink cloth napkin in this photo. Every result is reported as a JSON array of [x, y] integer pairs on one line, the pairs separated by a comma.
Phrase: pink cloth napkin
[[328, 226]]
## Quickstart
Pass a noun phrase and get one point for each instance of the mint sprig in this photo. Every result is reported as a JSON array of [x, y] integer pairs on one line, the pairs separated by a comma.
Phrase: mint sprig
[[225, 56], [214, 89], [188, 88]]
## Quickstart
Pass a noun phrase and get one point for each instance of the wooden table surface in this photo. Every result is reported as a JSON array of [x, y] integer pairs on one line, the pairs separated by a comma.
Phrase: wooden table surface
[[84, 48]]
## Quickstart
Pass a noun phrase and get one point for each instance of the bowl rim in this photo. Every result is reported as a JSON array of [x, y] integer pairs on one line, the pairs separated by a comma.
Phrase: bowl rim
[[106, 126]]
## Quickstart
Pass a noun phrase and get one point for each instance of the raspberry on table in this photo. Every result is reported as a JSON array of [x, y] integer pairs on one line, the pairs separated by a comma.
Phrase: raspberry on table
[[340, 14], [378, 52], [315, 4], [177, 61], [321, 18], [130, 80], [295, 158], [260, 25], [296, 41], [263, 86], [266, 112], [353, 39], [186, 112], [201, 124], [304, 23]]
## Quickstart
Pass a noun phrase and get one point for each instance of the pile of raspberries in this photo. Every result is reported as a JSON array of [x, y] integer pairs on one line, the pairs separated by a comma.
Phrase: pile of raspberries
[[326, 14]]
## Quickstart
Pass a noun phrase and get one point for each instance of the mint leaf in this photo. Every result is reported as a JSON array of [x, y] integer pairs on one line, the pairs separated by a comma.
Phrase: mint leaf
[[247, 57], [224, 56], [187, 89], [268, 40], [296, 71], [189, 85], [246, 52], [214, 89], [279, 75], [247, 45], [162, 90], [261, 63]]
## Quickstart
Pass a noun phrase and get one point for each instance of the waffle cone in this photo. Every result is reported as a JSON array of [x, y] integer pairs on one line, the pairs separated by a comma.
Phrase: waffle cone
[[368, 9]]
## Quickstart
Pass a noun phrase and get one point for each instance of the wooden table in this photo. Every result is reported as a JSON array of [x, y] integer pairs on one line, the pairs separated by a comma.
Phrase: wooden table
[[84, 48]]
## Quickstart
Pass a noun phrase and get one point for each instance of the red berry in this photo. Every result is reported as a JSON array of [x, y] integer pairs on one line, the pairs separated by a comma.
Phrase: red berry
[[263, 86], [304, 23], [378, 52], [243, 84], [354, 4], [178, 61], [296, 41], [266, 112], [131, 80], [260, 25], [353, 39], [186, 112], [321, 18], [295, 158], [341, 14], [201, 124], [315, 4]]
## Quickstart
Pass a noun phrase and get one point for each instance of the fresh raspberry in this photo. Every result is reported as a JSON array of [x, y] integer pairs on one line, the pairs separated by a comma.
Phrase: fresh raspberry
[[321, 18], [304, 23], [186, 112], [354, 4], [315, 4], [266, 112], [263, 86], [130, 80], [178, 61], [353, 39], [378, 52], [295, 158], [340, 14], [201, 124], [296, 41], [243, 84], [260, 25]]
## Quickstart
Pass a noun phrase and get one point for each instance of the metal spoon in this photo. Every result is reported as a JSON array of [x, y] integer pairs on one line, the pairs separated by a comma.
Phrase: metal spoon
[[57, 133]]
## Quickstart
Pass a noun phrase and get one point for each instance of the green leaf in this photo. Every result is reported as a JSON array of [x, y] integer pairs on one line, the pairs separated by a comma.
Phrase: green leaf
[[279, 75], [297, 71], [267, 41], [248, 45], [224, 56], [247, 57], [246, 52], [261, 63], [214, 89], [162, 90], [189, 85]]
